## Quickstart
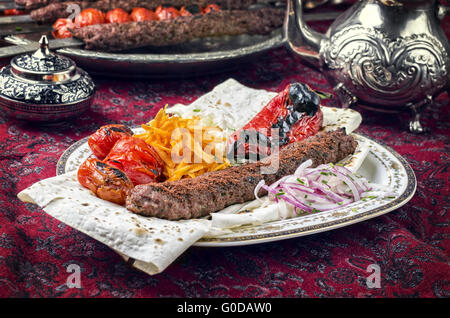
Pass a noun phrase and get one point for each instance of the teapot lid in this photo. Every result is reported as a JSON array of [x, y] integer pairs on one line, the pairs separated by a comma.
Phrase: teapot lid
[[43, 66]]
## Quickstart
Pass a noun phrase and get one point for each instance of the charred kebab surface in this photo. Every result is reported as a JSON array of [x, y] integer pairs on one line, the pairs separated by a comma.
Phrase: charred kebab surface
[[211, 192]]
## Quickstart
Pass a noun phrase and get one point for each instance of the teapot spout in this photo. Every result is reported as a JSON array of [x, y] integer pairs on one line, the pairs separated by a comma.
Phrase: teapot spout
[[301, 39]]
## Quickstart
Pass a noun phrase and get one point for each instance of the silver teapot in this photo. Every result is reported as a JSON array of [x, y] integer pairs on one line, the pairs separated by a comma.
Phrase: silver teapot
[[384, 55]]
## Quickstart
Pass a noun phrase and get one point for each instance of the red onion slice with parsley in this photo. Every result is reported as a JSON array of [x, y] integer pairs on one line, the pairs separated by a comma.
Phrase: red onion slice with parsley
[[324, 188]]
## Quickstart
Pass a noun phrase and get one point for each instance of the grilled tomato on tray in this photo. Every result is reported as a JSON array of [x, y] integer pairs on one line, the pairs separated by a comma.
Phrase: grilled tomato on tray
[[92, 16], [122, 160]]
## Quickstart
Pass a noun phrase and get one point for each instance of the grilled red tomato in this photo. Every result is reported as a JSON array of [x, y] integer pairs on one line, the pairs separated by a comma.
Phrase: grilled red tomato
[[105, 181], [103, 140], [184, 12], [117, 15], [143, 14], [210, 7], [13, 12], [140, 162], [61, 28], [295, 112], [89, 16], [166, 13]]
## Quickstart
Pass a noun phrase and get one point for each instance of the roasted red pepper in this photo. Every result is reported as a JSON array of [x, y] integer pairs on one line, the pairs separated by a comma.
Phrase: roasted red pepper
[[295, 112]]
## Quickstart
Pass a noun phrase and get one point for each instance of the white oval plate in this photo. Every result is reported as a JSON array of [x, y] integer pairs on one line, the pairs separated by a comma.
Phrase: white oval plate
[[382, 165]]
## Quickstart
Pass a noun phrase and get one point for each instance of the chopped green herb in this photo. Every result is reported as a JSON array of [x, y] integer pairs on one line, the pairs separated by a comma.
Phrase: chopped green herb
[[324, 181], [323, 95], [324, 173], [354, 209], [315, 210], [300, 181], [196, 110]]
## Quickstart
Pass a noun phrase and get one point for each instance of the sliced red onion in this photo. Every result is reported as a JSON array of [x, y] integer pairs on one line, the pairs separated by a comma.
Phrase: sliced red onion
[[308, 163], [324, 188], [257, 188], [297, 185], [296, 203], [356, 193], [360, 182], [269, 189], [274, 185], [335, 197]]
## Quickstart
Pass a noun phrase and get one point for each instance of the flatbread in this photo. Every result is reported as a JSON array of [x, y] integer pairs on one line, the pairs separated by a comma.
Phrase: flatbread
[[155, 243], [231, 105]]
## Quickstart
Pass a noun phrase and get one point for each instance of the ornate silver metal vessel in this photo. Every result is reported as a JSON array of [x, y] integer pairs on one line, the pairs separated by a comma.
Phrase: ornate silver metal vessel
[[43, 86], [385, 55]]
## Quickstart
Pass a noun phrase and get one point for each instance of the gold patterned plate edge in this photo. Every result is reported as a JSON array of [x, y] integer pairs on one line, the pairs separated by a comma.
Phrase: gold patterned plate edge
[[62, 161], [248, 239]]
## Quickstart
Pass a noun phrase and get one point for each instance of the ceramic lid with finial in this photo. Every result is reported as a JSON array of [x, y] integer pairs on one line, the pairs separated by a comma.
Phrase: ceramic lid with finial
[[44, 78]]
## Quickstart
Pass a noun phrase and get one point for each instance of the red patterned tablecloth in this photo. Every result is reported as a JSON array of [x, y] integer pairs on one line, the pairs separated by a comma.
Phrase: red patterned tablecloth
[[410, 245]]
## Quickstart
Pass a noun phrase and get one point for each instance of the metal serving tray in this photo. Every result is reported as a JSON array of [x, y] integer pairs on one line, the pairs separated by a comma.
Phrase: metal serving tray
[[198, 57]]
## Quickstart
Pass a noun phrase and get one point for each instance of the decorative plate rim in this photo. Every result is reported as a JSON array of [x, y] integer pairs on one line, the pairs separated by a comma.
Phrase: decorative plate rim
[[248, 239]]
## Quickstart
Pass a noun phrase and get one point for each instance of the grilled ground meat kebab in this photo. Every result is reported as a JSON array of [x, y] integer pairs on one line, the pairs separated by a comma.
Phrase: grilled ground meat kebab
[[123, 36], [112, 4], [211, 192], [55, 9], [33, 4]]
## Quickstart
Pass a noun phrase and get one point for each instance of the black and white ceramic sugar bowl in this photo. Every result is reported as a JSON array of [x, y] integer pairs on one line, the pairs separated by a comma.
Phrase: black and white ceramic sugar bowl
[[44, 87]]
